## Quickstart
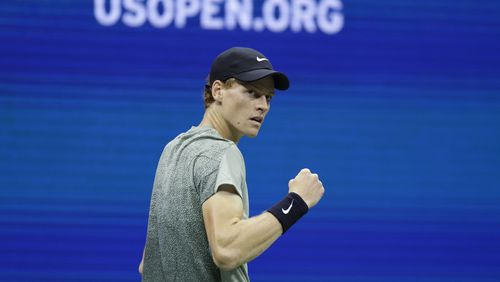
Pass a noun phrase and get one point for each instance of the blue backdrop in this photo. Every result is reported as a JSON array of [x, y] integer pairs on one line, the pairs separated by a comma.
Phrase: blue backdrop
[[395, 104]]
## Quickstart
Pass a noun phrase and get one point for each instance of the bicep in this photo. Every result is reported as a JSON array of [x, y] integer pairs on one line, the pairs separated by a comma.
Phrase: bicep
[[220, 212], [232, 239]]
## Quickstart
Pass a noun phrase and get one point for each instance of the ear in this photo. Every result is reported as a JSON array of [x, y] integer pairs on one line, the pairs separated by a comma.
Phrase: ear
[[217, 91]]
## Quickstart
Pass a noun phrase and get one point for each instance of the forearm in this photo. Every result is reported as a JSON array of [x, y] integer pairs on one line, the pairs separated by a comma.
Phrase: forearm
[[248, 238]]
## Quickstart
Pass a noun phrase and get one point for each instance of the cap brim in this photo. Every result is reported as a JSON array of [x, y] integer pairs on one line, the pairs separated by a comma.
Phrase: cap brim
[[281, 81]]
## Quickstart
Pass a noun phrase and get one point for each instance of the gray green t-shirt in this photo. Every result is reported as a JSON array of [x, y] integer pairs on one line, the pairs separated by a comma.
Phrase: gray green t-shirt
[[190, 170]]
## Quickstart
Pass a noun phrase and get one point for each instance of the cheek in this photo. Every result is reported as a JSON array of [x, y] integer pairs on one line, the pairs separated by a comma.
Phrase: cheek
[[240, 111], [235, 112]]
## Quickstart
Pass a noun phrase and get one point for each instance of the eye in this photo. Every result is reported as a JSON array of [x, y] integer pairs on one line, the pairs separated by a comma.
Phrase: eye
[[252, 93]]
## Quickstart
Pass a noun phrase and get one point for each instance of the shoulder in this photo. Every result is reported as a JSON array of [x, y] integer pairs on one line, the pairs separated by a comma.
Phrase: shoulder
[[217, 153], [227, 160], [233, 154], [208, 143]]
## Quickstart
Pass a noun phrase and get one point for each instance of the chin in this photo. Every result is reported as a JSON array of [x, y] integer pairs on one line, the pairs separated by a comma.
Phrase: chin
[[252, 133]]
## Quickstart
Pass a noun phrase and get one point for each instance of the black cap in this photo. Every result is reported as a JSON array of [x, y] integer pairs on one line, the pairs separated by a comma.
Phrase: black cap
[[247, 65]]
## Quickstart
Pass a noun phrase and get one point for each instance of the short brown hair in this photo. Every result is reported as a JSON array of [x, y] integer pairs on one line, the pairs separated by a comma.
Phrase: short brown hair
[[207, 93]]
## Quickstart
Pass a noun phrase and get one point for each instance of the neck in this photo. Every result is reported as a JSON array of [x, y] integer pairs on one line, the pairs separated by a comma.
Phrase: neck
[[214, 119]]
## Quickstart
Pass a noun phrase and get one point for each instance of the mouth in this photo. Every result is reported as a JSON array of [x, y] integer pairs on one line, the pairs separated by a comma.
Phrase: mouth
[[258, 119]]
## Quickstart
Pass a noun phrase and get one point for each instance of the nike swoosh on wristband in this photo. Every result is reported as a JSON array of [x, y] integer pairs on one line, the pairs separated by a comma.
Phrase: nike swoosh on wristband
[[289, 208], [261, 59]]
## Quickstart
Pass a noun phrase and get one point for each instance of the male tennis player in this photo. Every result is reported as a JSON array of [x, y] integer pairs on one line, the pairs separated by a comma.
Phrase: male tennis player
[[199, 228]]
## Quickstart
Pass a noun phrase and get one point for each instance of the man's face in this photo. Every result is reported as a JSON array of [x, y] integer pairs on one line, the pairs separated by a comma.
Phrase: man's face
[[245, 106]]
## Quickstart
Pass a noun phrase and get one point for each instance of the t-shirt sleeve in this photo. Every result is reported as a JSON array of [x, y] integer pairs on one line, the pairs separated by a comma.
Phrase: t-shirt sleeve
[[231, 170], [210, 174], [205, 176]]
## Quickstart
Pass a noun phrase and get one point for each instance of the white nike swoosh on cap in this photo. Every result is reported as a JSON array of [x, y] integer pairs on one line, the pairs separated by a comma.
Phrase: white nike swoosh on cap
[[261, 59], [289, 208]]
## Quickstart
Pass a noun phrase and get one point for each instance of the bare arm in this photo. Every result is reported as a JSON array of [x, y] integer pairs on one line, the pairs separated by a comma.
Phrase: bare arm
[[234, 240], [142, 261]]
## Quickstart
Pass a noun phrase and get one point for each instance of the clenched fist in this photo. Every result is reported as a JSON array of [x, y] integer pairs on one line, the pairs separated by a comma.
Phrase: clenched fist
[[308, 186]]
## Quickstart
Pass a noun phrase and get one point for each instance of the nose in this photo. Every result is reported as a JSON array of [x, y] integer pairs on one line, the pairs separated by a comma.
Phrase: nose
[[262, 104]]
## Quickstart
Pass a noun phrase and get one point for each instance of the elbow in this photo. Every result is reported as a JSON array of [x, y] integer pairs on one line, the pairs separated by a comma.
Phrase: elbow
[[226, 259]]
